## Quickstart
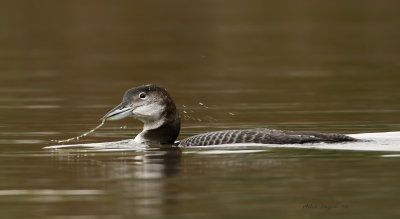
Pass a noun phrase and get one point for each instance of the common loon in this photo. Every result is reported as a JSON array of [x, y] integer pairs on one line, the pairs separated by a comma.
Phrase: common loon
[[155, 108]]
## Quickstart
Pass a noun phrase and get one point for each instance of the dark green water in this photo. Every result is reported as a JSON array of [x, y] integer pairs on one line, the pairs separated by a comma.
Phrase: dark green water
[[329, 66]]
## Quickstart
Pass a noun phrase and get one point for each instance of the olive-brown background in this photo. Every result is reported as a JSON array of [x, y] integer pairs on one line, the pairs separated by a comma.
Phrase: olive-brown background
[[331, 66]]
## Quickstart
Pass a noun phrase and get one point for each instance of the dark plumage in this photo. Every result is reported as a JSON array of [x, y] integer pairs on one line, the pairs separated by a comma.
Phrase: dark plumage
[[155, 108], [262, 136]]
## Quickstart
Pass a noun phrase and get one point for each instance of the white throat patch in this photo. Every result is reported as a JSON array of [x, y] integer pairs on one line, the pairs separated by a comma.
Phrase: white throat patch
[[150, 115]]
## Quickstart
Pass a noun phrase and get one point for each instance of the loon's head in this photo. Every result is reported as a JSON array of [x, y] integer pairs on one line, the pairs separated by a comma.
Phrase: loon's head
[[155, 108]]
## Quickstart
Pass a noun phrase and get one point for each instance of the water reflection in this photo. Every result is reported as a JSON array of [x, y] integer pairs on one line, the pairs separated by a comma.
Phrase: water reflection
[[134, 181]]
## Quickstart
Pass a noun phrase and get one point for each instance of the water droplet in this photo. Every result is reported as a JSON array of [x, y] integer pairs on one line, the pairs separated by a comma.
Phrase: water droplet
[[203, 105]]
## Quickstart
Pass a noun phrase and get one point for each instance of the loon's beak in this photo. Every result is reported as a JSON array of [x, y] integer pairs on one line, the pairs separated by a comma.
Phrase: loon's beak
[[119, 112]]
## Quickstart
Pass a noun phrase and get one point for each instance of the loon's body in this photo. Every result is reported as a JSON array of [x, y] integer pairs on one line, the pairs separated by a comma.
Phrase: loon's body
[[262, 136], [155, 108]]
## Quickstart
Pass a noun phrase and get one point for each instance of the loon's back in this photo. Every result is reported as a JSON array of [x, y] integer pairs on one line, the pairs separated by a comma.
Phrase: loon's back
[[262, 136]]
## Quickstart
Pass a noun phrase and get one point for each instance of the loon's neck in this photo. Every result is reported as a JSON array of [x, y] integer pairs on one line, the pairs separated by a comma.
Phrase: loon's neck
[[163, 131]]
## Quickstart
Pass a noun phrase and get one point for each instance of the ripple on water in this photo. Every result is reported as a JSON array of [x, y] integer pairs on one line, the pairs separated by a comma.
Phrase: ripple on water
[[391, 155], [19, 134], [30, 107], [46, 192], [53, 195], [36, 99], [20, 141], [124, 145]]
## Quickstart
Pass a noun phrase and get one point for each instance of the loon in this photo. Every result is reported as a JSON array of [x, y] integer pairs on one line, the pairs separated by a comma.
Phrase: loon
[[155, 108]]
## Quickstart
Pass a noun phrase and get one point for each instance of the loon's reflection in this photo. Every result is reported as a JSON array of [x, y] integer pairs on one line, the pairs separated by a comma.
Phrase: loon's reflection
[[147, 190], [136, 182], [160, 162]]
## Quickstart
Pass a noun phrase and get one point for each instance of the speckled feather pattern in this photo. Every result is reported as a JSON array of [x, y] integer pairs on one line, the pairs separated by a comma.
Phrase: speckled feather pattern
[[262, 136]]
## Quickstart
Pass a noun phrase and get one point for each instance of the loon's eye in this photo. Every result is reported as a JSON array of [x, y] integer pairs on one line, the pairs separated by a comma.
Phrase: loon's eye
[[142, 95]]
